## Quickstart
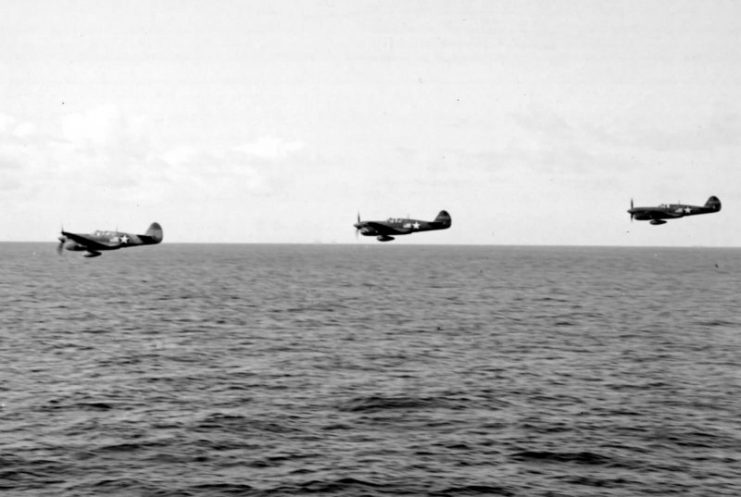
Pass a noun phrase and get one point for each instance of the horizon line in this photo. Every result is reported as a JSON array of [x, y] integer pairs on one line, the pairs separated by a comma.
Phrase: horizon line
[[420, 244]]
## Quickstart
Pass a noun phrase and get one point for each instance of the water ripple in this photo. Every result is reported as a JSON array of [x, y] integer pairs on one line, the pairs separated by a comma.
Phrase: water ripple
[[367, 371]]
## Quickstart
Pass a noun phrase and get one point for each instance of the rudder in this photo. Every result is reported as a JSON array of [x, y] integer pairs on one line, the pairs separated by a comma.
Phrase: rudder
[[155, 233], [713, 203], [444, 219]]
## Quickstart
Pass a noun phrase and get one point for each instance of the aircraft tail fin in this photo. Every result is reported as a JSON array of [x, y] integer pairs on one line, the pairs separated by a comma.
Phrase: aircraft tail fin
[[713, 203], [154, 233], [444, 219]]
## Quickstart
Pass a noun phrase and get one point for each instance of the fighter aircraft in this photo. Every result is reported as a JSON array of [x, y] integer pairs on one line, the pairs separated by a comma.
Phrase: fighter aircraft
[[94, 243], [383, 230], [657, 215]]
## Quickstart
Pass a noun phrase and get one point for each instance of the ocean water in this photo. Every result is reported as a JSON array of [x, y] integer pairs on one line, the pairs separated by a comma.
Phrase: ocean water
[[369, 370]]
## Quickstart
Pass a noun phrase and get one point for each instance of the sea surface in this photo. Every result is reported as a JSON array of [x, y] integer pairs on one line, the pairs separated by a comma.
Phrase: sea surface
[[370, 370]]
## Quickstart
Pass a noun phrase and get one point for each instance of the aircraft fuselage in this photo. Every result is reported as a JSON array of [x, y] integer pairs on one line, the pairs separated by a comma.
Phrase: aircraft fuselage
[[98, 241], [384, 231], [660, 214]]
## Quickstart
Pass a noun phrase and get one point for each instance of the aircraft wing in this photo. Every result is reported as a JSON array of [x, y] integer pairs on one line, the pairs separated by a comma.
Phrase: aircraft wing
[[384, 229], [661, 213], [88, 242]]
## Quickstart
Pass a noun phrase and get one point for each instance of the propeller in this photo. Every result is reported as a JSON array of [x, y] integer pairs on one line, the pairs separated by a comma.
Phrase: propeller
[[357, 226], [62, 239], [631, 210]]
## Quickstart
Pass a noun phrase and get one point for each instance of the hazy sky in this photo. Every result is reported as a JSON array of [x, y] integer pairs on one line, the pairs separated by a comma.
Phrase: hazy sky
[[531, 122]]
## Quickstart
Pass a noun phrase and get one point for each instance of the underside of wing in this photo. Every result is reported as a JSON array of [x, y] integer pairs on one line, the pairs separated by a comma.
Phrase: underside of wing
[[664, 214], [656, 214], [88, 242], [384, 229], [648, 214]]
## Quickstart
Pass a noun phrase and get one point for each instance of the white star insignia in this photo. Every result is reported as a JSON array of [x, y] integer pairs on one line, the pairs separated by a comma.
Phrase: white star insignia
[[124, 239], [416, 225]]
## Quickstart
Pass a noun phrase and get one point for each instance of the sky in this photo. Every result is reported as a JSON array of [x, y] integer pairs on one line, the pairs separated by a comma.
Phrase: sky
[[531, 122]]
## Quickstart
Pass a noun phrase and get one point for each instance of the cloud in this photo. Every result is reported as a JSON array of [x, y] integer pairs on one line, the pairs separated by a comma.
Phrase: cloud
[[715, 132], [99, 127], [109, 132], [270, 148], [25, 130], [104, 153], [6, 122], [706, 130], [228, 172], [211, 173]]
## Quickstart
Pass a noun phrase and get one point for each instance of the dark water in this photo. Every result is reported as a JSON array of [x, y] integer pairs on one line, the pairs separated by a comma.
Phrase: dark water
[[193, 370]]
